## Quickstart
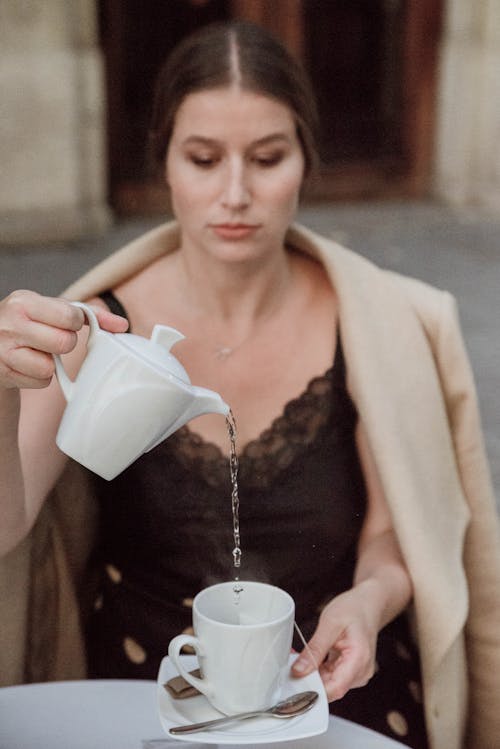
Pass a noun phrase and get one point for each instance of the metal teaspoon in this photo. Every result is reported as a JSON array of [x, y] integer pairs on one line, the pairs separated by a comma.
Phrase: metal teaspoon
[[294, 705]]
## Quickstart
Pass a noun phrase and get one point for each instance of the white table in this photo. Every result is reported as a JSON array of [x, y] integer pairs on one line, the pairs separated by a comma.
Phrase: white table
[[108, 714]]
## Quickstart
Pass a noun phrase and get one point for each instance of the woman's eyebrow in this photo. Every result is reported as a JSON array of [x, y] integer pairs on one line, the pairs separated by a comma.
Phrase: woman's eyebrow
[[272, 138], [200, 139], [266, 140]]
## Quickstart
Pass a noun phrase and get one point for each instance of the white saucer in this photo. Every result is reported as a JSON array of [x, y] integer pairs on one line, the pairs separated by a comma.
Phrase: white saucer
[[265, 730]]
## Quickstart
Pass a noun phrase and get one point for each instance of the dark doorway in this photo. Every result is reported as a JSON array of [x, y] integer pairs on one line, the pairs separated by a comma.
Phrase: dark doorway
[[354, 51], [372, 64], [135, 38]]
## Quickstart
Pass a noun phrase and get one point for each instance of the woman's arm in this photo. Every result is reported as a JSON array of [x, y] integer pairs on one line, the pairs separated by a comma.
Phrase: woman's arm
[[380, 568], [344, 643], [32, 328]]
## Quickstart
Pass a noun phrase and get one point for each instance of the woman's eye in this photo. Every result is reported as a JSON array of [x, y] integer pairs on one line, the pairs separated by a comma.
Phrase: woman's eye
[[268, 160], [205, 162]]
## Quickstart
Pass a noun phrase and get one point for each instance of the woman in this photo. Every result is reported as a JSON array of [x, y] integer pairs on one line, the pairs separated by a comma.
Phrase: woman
[[363, 483]]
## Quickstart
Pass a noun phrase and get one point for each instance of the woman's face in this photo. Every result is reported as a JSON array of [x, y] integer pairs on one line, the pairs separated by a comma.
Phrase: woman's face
[[234, 167]]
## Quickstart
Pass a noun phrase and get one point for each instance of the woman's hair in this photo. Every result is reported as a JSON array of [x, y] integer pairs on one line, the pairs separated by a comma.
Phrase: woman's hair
[[222, 54]]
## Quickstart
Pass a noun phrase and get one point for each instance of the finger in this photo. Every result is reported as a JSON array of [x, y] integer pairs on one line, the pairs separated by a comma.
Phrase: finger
[[54, 338], [337, 678], [63, 314], [29, 305], [18, 380], [33, 369], [30, 363], [58, 312], [43, 337], [345, 671], [316, 649], [109, 321]]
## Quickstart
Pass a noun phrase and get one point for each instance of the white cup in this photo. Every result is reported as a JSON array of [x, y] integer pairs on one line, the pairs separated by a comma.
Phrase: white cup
[[242, 641]]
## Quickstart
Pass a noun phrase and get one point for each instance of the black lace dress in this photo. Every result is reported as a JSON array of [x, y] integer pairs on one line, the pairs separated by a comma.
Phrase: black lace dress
[[167, 533]]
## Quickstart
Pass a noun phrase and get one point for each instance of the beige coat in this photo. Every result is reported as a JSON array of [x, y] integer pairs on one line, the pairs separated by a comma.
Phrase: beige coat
[[411, 381]]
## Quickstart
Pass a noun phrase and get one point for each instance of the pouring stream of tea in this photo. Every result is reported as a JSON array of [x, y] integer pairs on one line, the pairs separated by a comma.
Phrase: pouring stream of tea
[[235, 500]]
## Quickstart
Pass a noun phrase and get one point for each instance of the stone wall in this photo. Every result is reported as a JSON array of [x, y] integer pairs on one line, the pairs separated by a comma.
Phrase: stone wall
[[52, 160], [467, 163]]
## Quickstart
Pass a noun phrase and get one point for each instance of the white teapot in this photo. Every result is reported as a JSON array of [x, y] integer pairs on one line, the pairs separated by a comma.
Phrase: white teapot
[[130, 394]]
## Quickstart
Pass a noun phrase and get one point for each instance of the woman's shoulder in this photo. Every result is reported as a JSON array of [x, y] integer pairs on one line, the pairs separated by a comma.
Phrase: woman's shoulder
[[128, 261], [346, 262]]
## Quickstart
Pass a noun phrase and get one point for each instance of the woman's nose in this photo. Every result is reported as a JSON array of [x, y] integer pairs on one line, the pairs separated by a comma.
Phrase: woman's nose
[[236, 193]]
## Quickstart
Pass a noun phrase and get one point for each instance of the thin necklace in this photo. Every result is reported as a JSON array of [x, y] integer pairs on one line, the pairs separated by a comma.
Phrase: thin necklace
[[222, 352]]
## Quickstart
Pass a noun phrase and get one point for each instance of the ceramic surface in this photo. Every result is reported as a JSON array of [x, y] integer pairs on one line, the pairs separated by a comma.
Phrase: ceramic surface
[[265, 730]]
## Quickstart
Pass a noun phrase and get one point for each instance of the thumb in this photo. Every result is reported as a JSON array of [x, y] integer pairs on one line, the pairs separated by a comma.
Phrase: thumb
[[109, 320], [315, 651]]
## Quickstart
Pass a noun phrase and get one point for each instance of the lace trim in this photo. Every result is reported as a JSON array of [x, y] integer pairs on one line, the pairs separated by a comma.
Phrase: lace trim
[[262, 459]]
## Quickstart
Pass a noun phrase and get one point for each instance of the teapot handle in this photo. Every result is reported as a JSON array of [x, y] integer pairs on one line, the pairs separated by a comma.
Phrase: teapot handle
[[64, 381]]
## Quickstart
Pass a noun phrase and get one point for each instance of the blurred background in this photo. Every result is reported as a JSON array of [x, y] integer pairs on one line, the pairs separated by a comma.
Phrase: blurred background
[[407, 89], [409, 97]]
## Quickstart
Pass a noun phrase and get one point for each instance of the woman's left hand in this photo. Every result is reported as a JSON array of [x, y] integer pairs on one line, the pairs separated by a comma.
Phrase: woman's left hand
[[344, 643]]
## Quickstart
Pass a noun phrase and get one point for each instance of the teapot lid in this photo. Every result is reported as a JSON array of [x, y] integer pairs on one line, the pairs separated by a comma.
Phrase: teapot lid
[[156, 350]]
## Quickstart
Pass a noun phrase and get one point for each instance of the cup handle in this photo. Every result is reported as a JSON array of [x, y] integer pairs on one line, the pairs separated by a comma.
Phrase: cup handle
[[174, 649], [66, 384]]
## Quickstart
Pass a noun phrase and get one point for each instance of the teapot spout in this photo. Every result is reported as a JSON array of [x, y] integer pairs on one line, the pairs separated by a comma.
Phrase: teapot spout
[[199, 401], [205, 402]]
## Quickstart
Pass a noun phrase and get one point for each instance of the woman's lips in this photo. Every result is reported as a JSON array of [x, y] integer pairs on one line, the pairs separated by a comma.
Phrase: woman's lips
[[234, 231]]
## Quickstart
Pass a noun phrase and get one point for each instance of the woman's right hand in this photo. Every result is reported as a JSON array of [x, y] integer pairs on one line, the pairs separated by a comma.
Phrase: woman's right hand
[[33, 327]]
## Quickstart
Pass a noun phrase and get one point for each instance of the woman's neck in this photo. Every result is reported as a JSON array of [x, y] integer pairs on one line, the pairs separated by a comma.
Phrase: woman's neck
[[237, 294]]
